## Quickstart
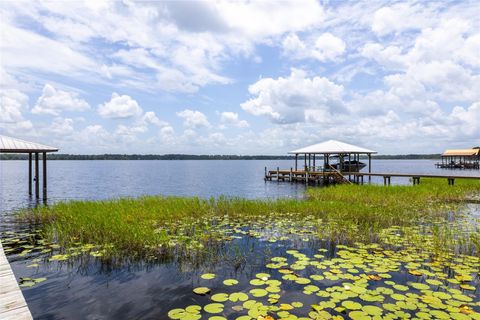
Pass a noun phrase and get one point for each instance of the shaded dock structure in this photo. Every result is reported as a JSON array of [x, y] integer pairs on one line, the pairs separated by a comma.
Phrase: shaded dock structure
[[323, 163], [13, 145], [460, 159]]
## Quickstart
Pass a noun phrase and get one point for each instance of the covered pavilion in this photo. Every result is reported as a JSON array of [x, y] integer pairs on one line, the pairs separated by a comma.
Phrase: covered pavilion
[[13, 145], [329, 149], [461, 159]]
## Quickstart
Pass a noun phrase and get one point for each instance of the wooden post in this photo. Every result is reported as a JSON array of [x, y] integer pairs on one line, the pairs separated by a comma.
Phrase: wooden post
[[291, 174], [44, 176], [296, 158], [305, 167], [37, 183], [278, 174], [314, 162], [265, 178], [30, 173], [369, 166]]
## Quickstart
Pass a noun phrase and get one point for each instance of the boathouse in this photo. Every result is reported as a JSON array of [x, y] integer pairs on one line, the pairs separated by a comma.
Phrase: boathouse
[[460, 159], [13, 145], [333, 154], [329, 161]]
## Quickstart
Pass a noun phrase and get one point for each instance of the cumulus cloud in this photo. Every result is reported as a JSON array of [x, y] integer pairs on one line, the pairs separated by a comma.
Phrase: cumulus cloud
[[54, 101], [193, 119], [12, 105], [324, 47], [231, 118], [290, 99], [119, 107]]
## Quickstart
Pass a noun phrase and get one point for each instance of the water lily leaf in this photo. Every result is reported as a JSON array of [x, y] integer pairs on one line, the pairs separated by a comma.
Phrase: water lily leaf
[[238, 296], [213, 308], [201, 290], [193, 309], [468, 287], [257, 282], [219, 297], [207, 276], [230, 282], [176, 313], [258, 292], [217, 318], [359, 315], [263, 276], [351, 305], [372, 310]]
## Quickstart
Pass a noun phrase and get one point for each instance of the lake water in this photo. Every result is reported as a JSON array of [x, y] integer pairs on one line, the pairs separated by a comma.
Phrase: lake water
[[212, 178], [84, 288]]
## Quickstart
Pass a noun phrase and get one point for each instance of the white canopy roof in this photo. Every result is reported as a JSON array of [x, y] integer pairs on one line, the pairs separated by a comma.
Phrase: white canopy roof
[[332, 147], [13, 145]]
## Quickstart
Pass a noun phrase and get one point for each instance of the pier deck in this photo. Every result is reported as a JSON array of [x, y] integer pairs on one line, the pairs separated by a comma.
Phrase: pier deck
[[358, 177], [12, 302]]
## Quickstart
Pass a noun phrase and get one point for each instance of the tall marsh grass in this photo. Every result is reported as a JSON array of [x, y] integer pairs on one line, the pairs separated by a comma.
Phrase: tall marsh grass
[[343, 212]]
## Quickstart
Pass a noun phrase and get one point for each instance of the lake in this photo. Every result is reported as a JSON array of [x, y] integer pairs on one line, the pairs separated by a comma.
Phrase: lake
[[208, 178], [86, 288]]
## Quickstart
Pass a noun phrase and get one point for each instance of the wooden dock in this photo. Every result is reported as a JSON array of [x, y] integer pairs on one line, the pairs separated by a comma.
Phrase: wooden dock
[[12, 302], [335, 176]]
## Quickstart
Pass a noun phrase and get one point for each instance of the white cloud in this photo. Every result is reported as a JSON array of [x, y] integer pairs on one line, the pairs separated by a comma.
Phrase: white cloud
[[119, 107], [54, 101], [289, 100], [231, 118], [12, 105], [193, 118], [400, 17], [322, 48], [61, 127]]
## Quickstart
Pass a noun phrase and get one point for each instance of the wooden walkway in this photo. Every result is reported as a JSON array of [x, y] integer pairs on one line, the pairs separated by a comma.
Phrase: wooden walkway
[[12, 303], [358, 177]]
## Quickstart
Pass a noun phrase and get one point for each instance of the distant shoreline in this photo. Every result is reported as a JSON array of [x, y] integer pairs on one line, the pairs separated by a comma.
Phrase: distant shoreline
[[199, 157]]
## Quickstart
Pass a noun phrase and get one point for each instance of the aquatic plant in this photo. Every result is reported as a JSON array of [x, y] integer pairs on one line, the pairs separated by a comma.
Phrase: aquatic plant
[[156, 226]]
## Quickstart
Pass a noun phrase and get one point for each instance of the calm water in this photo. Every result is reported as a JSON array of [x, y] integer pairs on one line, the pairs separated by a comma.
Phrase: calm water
[[90, 290], [110, 179]]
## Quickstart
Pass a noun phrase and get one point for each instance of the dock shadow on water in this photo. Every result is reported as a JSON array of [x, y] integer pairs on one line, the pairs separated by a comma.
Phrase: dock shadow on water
[[278, 267]]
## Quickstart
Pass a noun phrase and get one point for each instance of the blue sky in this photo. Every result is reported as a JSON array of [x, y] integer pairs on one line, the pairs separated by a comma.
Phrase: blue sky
[[243, 77]]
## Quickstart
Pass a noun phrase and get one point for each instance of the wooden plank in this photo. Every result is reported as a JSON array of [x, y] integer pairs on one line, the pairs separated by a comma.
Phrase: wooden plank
[[12, 302]]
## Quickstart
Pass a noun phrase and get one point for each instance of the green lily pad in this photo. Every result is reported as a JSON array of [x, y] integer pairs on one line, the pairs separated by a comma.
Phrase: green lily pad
[[213, 308], [230, 282], [258, 292], [238, 296], [220, 297], [207, 276], [351, 305], [201, 291]]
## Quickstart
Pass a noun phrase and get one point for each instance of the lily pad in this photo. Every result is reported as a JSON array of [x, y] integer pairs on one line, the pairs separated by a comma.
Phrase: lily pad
[[213, 308]]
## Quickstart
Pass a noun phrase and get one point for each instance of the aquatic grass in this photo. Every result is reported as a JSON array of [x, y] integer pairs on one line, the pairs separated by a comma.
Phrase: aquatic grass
[[157, 225]]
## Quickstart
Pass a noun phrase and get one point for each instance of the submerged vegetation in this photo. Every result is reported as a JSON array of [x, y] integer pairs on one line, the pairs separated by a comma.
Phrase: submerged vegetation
[[343, 252]]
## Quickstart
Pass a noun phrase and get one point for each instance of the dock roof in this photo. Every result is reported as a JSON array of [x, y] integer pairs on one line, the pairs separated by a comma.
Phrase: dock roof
[[14, 145], [332, 147], [461, 152]]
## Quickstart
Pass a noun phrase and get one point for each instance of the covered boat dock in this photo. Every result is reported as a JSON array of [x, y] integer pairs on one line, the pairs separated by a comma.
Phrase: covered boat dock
[[13, 145], [324, 162], [460, 159]]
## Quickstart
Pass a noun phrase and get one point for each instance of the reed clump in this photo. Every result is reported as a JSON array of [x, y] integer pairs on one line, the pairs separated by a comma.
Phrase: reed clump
[[149, 224]]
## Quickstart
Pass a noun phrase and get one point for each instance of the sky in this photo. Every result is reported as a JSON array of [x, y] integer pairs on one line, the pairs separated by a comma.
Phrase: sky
[[240, 77]]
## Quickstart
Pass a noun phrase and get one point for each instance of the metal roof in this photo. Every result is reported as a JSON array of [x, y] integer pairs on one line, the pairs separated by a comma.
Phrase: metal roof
[[332, 147], [13, 145], [461, 152]]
